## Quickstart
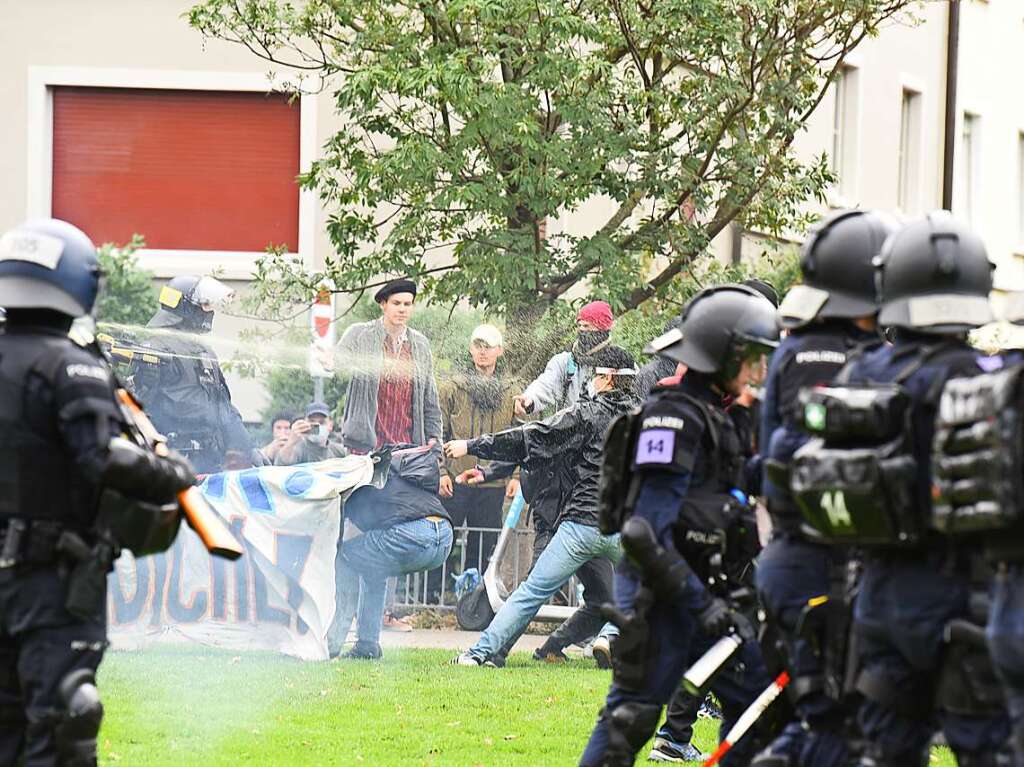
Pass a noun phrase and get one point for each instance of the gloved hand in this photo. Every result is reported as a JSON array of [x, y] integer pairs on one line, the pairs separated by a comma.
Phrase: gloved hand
[[715, 619]]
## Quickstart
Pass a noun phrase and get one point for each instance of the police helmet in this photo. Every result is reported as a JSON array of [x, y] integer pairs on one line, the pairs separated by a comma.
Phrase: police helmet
[[188, 303], [48, 264], [837, 264], [934, 276], [721, 326]]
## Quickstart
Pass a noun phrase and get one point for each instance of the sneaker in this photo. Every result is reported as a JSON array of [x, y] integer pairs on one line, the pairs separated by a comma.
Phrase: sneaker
[[549, 656], [496, 661], [602, 650], [709, 709], [465, 659], [665, 750], [364, 651], [394, 623]]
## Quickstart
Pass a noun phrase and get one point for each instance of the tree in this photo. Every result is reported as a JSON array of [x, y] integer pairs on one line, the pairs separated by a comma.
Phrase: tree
[[128, 296], [470, 123]]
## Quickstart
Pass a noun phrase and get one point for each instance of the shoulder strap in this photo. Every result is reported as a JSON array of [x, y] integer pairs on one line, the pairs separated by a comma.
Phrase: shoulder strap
[[711, 428]]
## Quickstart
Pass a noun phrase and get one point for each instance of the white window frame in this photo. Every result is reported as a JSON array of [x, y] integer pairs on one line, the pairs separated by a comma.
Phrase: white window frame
[[232, 265], [968, 172], [908, 167], [1020, 191], [845, 135]]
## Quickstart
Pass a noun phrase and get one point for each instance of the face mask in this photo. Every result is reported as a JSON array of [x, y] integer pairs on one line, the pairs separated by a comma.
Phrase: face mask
[[588, 342]]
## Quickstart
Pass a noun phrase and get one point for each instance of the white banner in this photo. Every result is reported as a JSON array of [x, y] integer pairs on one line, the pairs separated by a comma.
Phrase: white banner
[[279, 596]]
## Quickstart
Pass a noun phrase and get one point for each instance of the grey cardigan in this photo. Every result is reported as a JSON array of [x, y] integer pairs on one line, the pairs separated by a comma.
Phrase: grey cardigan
[[361, 354]]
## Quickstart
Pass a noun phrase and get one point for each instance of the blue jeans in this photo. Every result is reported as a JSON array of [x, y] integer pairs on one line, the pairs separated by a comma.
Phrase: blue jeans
[[572, 546], [369, 560]]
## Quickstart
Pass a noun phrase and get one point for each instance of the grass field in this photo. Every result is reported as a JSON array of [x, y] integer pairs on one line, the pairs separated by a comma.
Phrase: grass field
[[172, 707]]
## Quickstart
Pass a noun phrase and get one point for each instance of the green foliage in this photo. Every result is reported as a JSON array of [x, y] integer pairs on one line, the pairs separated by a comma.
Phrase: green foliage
[[469, 124], [128, 296]]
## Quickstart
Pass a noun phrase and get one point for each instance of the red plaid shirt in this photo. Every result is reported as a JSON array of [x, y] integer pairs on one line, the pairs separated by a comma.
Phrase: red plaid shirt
[[394, 395]]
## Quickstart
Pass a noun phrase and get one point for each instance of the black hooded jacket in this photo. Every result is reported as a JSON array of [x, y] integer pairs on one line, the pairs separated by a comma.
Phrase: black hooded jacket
[[570, 444]]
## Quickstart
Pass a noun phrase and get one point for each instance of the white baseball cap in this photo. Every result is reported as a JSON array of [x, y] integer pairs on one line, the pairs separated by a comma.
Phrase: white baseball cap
[[489, 334]]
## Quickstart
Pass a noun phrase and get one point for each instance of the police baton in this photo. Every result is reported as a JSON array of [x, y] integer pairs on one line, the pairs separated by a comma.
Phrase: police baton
[[749, 717]]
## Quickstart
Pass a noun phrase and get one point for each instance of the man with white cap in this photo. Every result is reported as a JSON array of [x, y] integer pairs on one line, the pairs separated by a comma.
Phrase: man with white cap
[[477, 401]]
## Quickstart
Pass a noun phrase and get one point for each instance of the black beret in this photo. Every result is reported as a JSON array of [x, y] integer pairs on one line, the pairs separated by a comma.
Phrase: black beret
[[395, 286]]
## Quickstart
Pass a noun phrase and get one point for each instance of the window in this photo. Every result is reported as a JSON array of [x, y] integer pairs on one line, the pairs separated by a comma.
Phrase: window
[[966, 191], [908, 184], [843, 158], [189, 169], [1020, 188]]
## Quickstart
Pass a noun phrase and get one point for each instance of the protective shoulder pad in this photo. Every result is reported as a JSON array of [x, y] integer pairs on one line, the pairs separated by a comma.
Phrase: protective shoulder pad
[[669, 435]]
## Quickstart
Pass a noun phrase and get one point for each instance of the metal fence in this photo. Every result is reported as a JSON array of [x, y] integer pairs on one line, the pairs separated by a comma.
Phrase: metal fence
[[471, 548]]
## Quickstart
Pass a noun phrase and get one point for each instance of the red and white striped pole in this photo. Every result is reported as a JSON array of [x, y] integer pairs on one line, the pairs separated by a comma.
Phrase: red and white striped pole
[[749, 717]]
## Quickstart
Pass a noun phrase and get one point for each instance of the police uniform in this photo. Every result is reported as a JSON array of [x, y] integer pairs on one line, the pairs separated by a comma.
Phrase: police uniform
[[179, 380], [685, 460], [793, 570], [58, 415], [869, 479], [908, 597]]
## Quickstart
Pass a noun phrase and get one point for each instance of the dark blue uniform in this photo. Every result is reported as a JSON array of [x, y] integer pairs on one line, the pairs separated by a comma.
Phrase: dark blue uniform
[[793, 570], [908, 596], [57, 414], [677, 466], [1005, 628]]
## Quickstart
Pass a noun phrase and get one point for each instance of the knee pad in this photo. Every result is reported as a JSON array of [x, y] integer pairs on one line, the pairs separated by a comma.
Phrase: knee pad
[[769, 759], [913, 701], [79, 720], [630, 725]]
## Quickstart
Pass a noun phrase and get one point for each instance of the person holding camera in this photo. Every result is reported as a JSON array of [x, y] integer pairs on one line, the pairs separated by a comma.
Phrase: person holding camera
[[310, 439]]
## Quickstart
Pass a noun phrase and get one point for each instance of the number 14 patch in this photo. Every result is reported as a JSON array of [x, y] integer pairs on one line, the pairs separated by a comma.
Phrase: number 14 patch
[[655, 446]]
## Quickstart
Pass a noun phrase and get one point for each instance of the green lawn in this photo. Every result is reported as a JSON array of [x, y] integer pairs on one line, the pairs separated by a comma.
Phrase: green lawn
[[183, 707]]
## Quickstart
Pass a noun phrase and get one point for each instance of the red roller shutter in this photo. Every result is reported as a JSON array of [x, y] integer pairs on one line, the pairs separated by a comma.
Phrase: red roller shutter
[[191, 170]]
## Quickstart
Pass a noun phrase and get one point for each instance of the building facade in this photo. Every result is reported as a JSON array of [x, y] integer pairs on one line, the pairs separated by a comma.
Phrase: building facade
[[121, 118]]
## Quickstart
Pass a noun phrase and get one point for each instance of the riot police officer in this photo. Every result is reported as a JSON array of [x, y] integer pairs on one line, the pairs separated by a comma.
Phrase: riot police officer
[[934, 278], [829, 315], [669, 471], [70, 484], [180, 380]]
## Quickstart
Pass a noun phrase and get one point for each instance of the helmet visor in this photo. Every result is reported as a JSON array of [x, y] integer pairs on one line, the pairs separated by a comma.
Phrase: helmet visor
[[210, 294]]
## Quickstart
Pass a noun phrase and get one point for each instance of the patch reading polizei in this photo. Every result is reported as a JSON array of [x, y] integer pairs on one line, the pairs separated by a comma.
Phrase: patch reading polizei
[[655, 446]]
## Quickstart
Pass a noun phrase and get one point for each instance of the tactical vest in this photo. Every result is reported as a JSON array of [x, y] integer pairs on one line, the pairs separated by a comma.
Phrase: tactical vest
[[716, 532], [186, 404], [854, 481], [38, 478], [978, 454]]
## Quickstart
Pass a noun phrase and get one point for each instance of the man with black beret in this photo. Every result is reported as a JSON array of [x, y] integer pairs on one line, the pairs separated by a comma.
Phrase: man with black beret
[[392, 395]]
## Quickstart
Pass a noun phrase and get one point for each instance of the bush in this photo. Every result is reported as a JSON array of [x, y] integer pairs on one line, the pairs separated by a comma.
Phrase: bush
[[128, 296]]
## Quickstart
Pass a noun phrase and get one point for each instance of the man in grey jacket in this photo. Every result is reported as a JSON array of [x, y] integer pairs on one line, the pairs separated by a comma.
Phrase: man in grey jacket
[[567, 373], [392, 395]]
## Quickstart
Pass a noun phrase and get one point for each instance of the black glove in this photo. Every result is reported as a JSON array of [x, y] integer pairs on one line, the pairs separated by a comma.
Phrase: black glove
[[715, 619]]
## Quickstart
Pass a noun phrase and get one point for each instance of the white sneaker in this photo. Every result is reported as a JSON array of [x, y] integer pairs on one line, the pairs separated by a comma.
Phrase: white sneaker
[[602, 650], [465, 659]]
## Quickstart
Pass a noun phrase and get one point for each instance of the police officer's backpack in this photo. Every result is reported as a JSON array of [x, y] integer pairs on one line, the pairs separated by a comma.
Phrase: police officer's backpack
[[854, 482], [978, 453]]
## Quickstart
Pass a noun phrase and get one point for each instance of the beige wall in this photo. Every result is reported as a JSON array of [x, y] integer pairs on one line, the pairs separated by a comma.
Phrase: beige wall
[[149, 36]]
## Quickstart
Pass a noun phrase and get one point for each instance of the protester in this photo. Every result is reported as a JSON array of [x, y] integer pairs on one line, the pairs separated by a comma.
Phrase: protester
[[474, 403], [576, 437], [568, 373], [280, 431], [311, 438], [404, 528], [392, 395]]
